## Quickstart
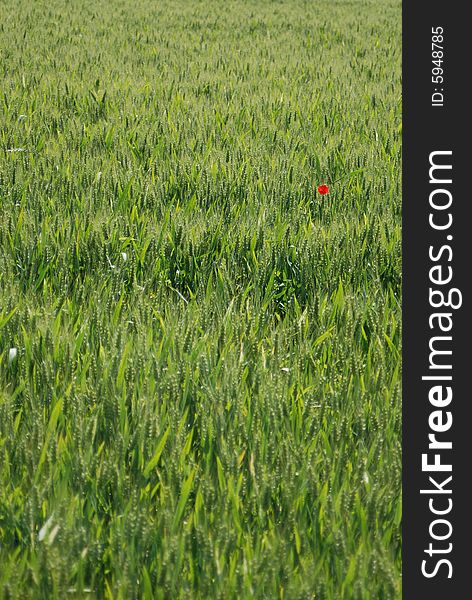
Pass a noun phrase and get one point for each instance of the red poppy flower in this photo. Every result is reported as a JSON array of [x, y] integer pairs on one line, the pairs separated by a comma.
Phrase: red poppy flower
[[323, 189]]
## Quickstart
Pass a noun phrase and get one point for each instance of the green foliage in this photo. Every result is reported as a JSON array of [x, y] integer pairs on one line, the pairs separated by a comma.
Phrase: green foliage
[[205, 398]]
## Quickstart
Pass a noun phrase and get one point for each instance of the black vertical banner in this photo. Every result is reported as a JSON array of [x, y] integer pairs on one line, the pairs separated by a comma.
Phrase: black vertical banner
[[437, 427]]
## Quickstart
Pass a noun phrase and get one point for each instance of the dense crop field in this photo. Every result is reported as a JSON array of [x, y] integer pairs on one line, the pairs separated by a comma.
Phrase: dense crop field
[[200, 364]]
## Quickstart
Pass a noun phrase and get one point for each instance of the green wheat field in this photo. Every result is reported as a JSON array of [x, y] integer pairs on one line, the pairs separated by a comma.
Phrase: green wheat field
[[200, 355]]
